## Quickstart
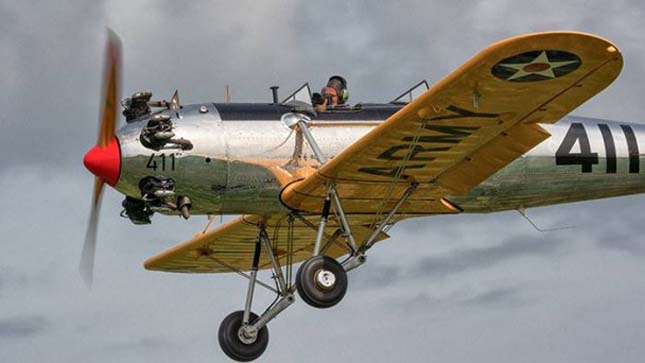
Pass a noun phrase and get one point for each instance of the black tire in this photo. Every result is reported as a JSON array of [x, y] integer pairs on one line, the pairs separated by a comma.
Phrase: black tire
[[231, 343], [314, 294]]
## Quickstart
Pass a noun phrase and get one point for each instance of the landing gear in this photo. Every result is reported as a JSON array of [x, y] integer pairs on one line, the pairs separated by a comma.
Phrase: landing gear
[[236, 343], [321, 282], [243, 335]]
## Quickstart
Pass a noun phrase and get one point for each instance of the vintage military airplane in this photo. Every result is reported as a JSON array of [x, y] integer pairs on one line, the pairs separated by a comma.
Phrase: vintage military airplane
[[317, 185]]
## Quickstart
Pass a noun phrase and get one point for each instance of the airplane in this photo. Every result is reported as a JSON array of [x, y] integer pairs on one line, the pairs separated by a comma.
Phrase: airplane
[[322, 185]]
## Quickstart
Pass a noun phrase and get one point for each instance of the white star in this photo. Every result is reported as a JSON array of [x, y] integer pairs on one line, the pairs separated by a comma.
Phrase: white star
[[539, 66]]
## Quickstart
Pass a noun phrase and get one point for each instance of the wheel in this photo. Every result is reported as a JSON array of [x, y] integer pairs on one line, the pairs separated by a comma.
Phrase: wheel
[[321, 282], [235, 344]]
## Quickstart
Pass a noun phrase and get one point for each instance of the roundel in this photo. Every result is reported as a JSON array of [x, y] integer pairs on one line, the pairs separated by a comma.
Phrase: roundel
[[538, 65]]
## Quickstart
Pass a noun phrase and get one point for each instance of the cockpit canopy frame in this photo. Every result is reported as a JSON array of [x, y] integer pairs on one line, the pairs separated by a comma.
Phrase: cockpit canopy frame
[[412, 93], [302, 93]]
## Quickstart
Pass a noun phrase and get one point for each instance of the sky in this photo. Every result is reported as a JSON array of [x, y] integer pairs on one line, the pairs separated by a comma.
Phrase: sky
[[448, 289]]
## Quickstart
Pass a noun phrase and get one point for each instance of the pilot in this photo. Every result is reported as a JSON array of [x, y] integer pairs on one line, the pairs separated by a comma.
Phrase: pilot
[[334, 94]]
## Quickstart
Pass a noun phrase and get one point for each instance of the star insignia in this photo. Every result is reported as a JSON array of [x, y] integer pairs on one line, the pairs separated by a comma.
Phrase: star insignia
[[536, 66]]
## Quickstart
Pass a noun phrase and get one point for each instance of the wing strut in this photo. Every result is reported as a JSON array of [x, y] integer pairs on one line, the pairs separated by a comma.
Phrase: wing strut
[[296, 120], [357, 256]]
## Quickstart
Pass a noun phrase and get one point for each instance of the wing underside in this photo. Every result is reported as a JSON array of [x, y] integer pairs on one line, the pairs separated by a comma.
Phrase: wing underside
[[229, 247]]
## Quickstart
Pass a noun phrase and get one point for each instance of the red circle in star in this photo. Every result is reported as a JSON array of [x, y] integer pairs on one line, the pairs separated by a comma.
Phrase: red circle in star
[[536, 67]]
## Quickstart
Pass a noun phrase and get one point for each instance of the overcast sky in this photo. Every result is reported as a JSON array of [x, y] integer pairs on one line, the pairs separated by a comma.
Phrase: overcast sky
[[447, 289]]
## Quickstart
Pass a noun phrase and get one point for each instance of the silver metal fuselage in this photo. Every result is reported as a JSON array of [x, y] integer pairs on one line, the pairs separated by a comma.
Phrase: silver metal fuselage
[[232, 166]]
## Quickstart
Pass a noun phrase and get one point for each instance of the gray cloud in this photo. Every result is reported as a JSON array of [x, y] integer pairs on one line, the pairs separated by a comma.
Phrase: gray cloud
[[141, 345], [50, 100], [11, 279], [380, 276], [462, 260], [483, 257], [499, 297], [418, 302], [633, 245], [493, 298], [23, 326]]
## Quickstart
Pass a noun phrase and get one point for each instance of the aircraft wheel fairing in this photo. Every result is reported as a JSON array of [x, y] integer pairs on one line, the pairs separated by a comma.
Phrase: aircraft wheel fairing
[[238, 346], [321, 282]]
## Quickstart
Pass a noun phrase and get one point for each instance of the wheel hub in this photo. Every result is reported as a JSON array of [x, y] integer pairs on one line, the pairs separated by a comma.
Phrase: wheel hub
[[325, 279], [245, 336]]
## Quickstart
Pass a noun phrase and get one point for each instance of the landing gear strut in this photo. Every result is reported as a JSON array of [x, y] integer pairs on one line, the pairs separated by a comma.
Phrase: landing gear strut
[[244, 335], [321, 281]]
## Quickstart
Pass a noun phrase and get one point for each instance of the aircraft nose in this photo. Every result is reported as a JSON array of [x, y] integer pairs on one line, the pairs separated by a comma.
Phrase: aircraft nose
[[105, 161]]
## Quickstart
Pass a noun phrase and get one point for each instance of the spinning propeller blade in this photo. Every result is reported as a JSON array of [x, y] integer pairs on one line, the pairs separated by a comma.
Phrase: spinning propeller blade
[[101, 159]]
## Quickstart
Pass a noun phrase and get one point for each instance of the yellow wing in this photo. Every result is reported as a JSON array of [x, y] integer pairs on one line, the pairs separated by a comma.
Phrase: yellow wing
[[465, 128], [474, 122], [230, 247]]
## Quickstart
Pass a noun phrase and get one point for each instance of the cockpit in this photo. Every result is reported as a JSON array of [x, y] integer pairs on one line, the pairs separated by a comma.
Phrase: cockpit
[[333, 104]]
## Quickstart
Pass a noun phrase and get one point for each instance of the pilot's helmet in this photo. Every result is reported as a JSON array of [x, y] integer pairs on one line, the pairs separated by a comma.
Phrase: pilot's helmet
[[340, 85]]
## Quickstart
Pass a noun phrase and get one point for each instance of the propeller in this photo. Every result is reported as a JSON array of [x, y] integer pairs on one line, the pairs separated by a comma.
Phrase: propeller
[[106, 140]]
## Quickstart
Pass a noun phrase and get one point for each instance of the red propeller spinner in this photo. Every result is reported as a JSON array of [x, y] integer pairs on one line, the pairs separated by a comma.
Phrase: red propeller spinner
[[105, 161]]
